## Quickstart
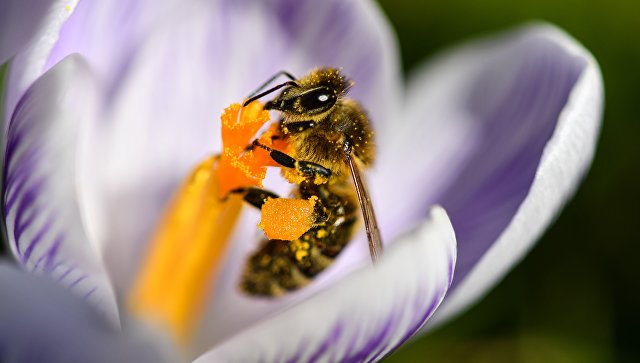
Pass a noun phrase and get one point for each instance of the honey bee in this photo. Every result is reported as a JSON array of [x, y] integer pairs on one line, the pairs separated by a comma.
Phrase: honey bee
[[331, 137]]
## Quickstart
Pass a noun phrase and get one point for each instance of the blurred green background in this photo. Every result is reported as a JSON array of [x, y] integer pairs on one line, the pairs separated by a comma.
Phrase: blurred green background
[[575, 298]]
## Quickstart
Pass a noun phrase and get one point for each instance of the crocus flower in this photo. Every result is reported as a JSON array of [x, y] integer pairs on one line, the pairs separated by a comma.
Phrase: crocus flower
[[109, 105]]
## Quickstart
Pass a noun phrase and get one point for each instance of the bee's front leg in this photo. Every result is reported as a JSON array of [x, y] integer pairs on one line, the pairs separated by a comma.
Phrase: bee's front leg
[[307, 168]]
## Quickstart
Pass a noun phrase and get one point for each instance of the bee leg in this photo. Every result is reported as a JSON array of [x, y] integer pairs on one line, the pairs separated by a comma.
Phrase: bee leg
[[312, 169], [256, 196], [307, 168]]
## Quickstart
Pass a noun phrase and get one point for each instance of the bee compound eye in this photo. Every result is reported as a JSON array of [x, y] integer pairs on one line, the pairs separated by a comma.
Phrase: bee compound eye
[[318, 100]]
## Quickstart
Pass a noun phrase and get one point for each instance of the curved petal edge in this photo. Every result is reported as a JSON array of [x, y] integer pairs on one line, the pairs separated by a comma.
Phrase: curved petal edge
[[565, 161], [364, 317], [37, 31], [40, 188], [42, 322]]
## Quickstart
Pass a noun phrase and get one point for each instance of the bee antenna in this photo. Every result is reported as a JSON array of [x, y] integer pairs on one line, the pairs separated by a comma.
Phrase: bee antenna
[[273, 78], [270, 90]]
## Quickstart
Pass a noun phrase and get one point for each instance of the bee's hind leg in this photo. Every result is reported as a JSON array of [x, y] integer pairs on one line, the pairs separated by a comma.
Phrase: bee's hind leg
[[257, 197]]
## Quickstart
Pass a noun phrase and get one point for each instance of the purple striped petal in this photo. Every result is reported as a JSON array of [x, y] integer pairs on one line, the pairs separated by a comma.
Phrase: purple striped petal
[[362, 318], [40, 183], [491, 121], [564, 159], [19, 20], [41, 322]]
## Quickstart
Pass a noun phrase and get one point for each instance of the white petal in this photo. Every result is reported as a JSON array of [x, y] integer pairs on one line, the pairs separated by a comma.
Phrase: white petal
[[565, 160], [42, 32], [42, 322], [40, 190], [363, 317], [107, 33]]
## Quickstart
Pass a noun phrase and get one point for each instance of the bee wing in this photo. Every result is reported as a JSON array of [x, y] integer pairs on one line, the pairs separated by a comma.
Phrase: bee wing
[[369, 216]]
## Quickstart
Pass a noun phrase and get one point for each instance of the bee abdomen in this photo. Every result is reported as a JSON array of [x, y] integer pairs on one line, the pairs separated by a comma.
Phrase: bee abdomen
[[270, 271]]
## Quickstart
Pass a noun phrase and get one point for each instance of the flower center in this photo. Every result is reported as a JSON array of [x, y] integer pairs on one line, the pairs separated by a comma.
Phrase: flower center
[[184, 254]]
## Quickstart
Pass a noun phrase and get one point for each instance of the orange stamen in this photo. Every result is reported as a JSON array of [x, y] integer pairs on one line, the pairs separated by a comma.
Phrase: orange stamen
[[240, 168], [240, 124], [185, 251]]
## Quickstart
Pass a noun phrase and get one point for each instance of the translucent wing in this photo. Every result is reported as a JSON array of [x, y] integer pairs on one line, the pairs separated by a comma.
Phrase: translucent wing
[[369, 216]]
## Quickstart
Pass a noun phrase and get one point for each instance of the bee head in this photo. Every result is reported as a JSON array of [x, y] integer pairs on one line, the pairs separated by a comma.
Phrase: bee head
[[314, 94]]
